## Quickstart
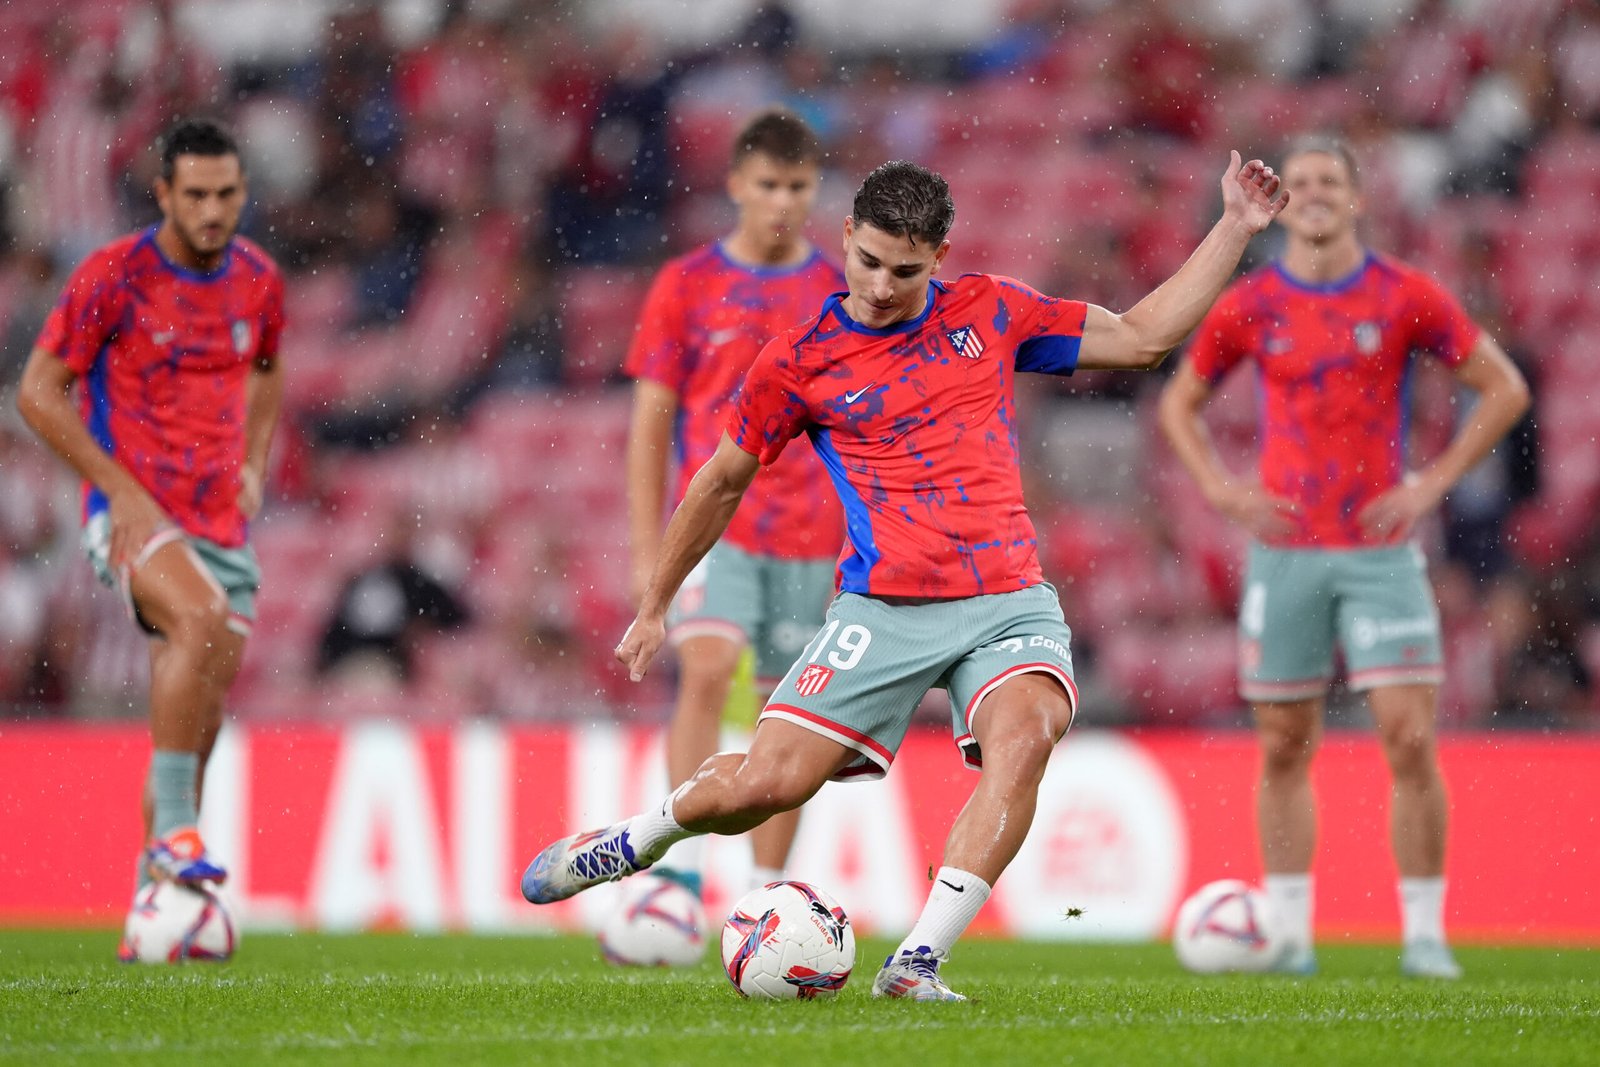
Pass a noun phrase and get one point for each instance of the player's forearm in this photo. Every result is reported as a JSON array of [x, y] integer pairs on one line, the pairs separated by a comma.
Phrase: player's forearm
[[1190, 441], [647, 493], [1175, 307], [262, 406], [45, 406], [649, 452], [699, 521], [1490, 419]]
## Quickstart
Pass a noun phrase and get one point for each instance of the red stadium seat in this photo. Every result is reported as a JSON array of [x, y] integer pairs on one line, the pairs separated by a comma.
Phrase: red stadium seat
[[599, 306]]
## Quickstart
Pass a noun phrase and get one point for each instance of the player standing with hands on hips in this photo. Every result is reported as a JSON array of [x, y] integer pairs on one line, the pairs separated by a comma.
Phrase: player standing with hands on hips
[[905, 386], [766, 584], [171, 336], [1332, 328]]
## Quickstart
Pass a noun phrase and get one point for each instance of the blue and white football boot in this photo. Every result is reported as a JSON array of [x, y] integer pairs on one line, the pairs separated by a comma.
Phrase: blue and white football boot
[[914, 975], [575, 863]]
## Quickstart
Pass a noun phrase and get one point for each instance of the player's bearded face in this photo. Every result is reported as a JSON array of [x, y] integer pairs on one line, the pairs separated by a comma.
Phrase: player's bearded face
[[887, 275], [203, 201]]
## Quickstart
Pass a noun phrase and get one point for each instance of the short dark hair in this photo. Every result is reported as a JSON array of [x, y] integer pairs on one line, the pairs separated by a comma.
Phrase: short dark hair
[[1328, 144], [778, 133], [194, 137], [905, 200]]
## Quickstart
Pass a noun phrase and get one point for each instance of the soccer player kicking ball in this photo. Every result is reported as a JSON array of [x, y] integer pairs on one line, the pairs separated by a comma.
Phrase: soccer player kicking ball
[[905, 386], [766, 584], [171, 335], [1332, 328]]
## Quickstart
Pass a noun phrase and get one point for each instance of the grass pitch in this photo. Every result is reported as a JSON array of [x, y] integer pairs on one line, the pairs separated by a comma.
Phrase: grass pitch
[[400, 999]]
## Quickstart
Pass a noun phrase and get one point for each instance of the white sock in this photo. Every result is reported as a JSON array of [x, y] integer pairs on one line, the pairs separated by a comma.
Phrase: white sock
[[760, 876], [653, 832], [1290, 897], [952, 903], [1422, 909]]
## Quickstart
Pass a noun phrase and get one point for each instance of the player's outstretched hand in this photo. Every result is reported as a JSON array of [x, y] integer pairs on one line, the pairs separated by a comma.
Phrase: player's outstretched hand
[[640, 644], [1252, 193]]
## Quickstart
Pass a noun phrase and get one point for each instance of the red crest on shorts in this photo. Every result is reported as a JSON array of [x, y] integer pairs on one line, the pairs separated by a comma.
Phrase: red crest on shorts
[[813, 680]]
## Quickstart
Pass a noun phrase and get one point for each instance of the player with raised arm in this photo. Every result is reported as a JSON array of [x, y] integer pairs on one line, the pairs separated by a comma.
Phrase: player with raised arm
[[171, 336], [1332, 328], [905, 386], [766, 584]]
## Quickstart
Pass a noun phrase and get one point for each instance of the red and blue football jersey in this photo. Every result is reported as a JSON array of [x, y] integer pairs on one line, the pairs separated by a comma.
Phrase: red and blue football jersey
[[164, 355], [1333, 364], [916, 424], [703, 323]]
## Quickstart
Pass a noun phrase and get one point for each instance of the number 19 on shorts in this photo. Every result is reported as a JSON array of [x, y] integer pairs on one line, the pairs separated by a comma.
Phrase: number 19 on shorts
[[847, 651], [836, 648]]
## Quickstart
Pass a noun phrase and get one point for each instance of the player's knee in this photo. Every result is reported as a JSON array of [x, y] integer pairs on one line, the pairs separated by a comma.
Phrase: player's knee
[[1023, 729], [1019, 754], [1287, 751], [201, 625], [710, 667], [1409, 751]]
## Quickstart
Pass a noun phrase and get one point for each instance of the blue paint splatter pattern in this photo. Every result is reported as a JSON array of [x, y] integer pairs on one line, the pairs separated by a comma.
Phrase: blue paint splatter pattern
[[916, 425], [1333, 365], [165, 356]]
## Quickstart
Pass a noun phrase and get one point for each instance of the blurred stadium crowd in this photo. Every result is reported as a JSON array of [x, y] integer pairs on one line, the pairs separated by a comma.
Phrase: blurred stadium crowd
[[470, 197]]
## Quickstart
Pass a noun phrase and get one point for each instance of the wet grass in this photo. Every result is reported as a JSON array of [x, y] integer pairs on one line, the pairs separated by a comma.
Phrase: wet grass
[[394, 998]]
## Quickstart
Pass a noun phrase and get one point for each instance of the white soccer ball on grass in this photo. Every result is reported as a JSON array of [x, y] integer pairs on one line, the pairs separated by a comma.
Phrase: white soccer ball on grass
[[176, 923], [1226, 927], [657, 923], [788, 941]]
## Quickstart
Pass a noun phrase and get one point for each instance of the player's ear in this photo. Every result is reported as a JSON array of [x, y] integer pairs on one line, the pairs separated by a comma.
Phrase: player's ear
[[938, 257], [849, 228]]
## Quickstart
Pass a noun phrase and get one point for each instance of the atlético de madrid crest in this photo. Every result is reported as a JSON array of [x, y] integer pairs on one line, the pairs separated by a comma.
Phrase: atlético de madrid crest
[[966, 341]]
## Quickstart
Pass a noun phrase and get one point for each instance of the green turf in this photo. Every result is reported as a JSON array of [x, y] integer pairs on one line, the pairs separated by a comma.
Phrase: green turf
[[396, 999]]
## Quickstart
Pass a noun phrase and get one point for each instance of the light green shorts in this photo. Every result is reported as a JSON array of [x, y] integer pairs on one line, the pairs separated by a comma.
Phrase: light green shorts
[[235, 570], [867, 670], [1374, 605], [773, 605]]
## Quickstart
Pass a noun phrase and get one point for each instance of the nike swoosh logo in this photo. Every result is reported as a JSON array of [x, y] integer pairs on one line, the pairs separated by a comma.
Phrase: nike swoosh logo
[[164, 337], [722, 337], [851, 398], [957, 888]]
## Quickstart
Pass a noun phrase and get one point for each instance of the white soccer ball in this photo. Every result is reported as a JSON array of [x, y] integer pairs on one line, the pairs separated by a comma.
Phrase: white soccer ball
[[788, 941], [175, 923], [1226, 927], [657, 923]]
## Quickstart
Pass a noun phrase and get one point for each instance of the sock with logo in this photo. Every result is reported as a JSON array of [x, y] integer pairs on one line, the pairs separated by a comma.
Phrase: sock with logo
[[652, 833], [952, 904]]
